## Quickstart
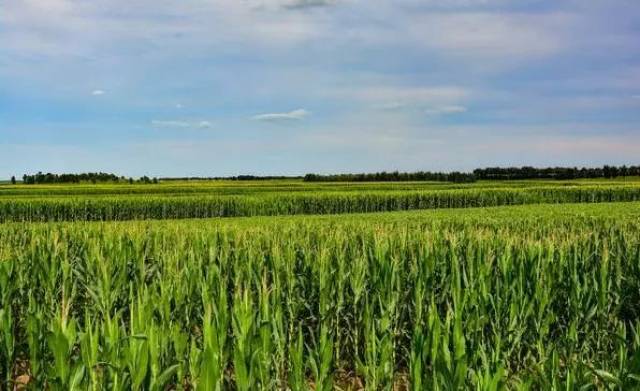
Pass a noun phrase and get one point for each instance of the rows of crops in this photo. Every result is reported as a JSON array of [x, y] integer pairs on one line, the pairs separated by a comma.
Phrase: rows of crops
[[179, 188], [544, 297], [158, 207]]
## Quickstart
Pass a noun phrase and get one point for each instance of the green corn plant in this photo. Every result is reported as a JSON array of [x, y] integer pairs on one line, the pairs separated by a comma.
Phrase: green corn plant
[[160, 375], [114, 364], [180, 344], [245, 352], [378, 366], [136, 350], [67, 373], [8, 343], [489, 380], [213, 356], [321, 360], [370, 368], [194, 365], [358, 284], [90, 352], [418, 354], [296, 376], [266, 335], [35, 339]]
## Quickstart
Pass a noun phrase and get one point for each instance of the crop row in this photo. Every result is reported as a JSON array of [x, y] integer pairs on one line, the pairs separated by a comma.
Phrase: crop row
[[128, 208], [307, 304], [267, 187]]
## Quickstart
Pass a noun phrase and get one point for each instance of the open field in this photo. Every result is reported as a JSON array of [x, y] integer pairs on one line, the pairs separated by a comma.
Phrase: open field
[[233, 199], [228, 187], [518, 297]]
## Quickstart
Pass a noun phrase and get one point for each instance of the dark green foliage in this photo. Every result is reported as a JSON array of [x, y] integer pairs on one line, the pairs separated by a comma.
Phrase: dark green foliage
[[511, 298], [455, 176], [491, 173], [92, 177], [518, 173]]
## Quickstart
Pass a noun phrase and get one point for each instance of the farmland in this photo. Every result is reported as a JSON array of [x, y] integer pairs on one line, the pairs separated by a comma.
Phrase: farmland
[[491, 285], [234, 199]]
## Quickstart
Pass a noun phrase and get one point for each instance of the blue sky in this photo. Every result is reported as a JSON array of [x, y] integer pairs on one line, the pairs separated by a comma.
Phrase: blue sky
[[211, 87]]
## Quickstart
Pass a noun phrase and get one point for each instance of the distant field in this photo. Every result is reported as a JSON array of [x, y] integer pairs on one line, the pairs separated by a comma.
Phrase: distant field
[[513, 297], [205, 199], [253, 187]]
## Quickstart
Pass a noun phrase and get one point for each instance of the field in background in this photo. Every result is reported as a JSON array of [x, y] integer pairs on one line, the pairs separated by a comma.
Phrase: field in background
[[176, 200], [227, 187], [536, 296]]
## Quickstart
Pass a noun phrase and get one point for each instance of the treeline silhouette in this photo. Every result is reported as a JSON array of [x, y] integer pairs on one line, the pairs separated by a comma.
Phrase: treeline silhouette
[[233, 178], [514, 173], [69, 178], [395, 176], [491, 173], [93, 177]]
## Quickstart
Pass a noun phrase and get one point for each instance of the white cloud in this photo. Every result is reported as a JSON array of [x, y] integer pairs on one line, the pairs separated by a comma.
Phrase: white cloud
[[204, 124], [171, 124], [181, 124], [295, 115], [445, 110], [97, 92], [396, 98]]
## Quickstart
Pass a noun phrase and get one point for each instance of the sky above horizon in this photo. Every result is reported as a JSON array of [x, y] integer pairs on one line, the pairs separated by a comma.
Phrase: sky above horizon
[[218, 88]]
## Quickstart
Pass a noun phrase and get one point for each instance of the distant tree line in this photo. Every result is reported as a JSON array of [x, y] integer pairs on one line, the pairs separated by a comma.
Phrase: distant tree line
[[491, 173], [395, 176], [93, 177], [514, 173], [235, 178], [41, 178]]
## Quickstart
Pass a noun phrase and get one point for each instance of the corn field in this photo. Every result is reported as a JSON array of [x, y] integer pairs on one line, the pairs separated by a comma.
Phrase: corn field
[[531, 297], [103, 207]]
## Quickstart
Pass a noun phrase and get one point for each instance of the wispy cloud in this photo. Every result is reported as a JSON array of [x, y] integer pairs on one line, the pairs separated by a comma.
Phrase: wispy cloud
[[295, 115], [432, 100], [97, 92], [395, 97], [391, 106], [181, 124]]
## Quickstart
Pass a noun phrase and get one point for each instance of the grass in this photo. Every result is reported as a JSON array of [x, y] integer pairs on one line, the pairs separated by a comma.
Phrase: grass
[[518, 297]]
